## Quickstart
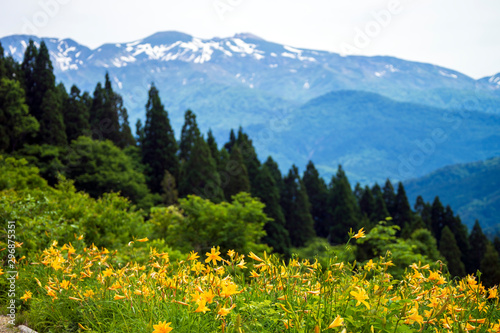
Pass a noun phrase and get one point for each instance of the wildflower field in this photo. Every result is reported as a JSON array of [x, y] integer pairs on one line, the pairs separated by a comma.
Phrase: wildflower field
[[72, 288]]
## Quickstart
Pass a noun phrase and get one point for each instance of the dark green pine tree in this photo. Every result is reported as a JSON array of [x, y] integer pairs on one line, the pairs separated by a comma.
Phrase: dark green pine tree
[[317, 191], [478, 242], [380, 213], [232, 141], [450, 250], [490, 267], [139, 132], [437, 218], [110, 114], [169, 189], [389, 197], [344, 211], [237, 175], [76, 115], [367, 203], [212, 144], [15, 121], [274, 169], [267, 190], [189, 134], [459, 230], [403, 216], [199, 173], [3, 68], [358, 192], [159, 147], [296, 207], [96, 112], [29, 79], [249, 157], [126, 137], [52, 128], [423, 209]]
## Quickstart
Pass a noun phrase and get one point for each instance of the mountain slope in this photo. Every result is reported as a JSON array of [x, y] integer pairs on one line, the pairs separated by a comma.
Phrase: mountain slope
[[472, 190], [374, 137]]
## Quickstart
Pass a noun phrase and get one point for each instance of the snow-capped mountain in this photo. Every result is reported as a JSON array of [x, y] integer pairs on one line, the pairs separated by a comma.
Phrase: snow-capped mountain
[[246, 61]]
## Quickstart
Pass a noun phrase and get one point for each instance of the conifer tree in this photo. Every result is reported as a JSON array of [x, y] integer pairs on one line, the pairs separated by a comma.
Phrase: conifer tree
[[249, 157], [29, 80], [190, 133], [380, 212], [159, 147], [232, 141], [267, 190], [199, 173], [389, 197], [437, 218], [424, 210], [3, 69], [496, 244], [52, 128], [490, 267], [367, 203], [139, 132], [317, 192], [450, 250], [212, 144], [403, 216], [478, 243], [344, 211], [15, 121], [274, 169], [459, 230], [296, 206], [237, 174], [76, 115]]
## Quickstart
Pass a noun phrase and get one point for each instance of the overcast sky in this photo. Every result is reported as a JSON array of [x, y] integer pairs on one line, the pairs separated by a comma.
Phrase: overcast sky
[[458, 34]]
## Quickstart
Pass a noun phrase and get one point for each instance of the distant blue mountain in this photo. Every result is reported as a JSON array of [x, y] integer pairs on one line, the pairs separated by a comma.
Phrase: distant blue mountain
[[472, 190]]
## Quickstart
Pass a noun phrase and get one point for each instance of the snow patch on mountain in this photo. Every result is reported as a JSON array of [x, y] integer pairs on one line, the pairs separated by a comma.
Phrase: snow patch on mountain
[[443, 73]]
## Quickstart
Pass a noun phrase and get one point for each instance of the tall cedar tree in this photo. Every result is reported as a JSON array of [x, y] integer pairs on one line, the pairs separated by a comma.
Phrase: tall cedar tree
[[189, 134], [267, 190], [212, 144], [460, 232], [389, 197], [403, 216], [139, 131], [15, 121], [76, 115], [199, 173], [52, 128], [380, 213], [33, 100], [159, 147], [274, 169], [449, 249], [232, 141], [169, 189], [424, 210], [437, 218], [296, 206], [343, 208], [367, 204], [249, 157], [490, 267], [237, 175], [108, 116], [317, 191], [478, 243], [3, 67], [496, 243]]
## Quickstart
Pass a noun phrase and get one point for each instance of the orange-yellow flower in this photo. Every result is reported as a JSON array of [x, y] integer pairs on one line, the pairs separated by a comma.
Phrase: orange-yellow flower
[[360, 234], [142, 240], [339, 321], [361, 296], [202, 306], [27, 295], [162, 327], [254, 257], [193, 256], [213, 256]]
